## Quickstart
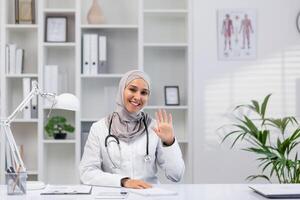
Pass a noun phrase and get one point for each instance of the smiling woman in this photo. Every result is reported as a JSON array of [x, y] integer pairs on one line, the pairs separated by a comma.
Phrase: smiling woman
[[127, 147]]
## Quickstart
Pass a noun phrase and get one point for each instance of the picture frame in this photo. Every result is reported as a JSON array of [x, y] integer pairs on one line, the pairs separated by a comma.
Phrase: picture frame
[[24, 11], [56, 29], [172, 95]]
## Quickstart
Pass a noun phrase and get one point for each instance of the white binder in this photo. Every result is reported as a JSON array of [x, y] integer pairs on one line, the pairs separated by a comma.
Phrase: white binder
[[34, 105], [26, 91], [102, 53], [94, 54], [86, 54]]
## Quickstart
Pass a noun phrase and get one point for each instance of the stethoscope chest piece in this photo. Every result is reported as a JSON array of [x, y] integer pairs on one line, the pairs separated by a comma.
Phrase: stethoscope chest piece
[[147, 158]]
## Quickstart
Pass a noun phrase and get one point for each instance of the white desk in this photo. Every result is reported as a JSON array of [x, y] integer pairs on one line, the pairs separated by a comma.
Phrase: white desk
[[185, 192]]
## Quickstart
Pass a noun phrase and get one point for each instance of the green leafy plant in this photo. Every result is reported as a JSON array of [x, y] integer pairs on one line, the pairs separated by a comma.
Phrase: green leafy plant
[[58, 125], [273, 140]]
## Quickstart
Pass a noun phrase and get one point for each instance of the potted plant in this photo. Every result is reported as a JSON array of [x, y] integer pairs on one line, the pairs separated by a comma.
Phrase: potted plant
[[57, 127], [273, 140]]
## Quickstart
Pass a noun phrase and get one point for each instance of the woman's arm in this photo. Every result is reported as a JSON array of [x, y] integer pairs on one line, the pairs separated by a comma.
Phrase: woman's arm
[[168, 153]]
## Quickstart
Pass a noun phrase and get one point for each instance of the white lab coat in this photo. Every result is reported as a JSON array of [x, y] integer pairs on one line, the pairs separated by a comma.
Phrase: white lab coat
[[96, 168]]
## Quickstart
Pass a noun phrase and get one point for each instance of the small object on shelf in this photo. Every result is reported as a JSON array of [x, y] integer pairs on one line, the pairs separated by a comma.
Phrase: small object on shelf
[[25, 11], [95, 15], [57, 127], [172, 96], [56, 29]]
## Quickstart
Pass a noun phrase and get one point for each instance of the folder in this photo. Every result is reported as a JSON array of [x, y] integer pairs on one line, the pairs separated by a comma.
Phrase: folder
[[26, 91], [86, 54], [102, 54], [94, 54], [50, 82], [34, 105], [67, 189]]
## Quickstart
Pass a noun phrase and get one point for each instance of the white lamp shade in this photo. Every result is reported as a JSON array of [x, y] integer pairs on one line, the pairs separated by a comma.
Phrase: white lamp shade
[[67, 101]]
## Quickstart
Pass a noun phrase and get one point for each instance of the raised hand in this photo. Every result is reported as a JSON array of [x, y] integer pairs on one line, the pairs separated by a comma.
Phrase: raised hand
[[164, 129], [136, 184]]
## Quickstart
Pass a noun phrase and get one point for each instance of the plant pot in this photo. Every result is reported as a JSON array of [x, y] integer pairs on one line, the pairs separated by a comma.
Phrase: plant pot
[[60, 136]]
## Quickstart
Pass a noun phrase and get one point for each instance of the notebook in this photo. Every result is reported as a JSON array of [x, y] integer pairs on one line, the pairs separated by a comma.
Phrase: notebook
[[277, 191], [155, 191], [66, 189]]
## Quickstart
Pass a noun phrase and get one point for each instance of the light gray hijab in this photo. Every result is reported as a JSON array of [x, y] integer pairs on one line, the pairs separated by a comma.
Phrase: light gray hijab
[[125, 125]]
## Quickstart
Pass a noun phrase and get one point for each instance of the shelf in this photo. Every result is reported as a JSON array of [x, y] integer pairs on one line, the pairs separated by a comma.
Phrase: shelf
[[21, 75], [89, 119], [21, 26], [25, 121], [59, 141], [166, 107], [165, 11], [166, 45], [102, 76], [59, 44], [59, 10], [109, 26], [32, 172]]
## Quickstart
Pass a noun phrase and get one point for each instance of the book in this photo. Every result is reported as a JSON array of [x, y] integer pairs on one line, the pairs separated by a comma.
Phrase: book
[[19, 61], [94, 54]]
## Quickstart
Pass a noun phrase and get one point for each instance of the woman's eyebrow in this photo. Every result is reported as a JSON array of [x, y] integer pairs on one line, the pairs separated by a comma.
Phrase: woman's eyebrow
[[145, 89]]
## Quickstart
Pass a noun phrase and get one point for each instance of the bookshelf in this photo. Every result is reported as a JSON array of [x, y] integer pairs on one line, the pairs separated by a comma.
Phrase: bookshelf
[[140, 35]]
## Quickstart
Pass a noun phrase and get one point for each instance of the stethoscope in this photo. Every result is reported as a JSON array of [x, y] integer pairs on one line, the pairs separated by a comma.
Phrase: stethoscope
[[115, 139]]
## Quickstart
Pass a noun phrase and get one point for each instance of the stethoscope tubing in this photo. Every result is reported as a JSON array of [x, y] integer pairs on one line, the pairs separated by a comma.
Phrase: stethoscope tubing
[[116, 139]]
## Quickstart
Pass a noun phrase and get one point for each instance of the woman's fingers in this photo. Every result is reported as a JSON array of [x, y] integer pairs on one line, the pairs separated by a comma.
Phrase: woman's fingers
[[165, 116], [170, 119]]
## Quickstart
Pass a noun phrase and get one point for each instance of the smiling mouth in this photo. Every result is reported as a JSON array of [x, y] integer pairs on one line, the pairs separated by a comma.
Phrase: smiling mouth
[[134, 103]]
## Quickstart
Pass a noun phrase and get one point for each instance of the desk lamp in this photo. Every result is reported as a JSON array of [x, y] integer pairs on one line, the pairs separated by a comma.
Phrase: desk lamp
[[64, 101]]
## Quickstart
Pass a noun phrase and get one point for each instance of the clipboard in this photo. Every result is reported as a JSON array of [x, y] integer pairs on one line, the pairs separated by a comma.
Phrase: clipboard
[[67, 189]]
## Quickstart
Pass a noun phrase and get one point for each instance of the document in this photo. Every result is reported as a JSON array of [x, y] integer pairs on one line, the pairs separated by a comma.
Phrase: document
[[66, 189], [153, 192], [276, 191], [112, 195]]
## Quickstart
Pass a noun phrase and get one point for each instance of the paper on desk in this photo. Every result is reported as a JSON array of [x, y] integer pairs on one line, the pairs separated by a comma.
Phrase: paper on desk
[[67, 189], [155, 191], [111, 195]]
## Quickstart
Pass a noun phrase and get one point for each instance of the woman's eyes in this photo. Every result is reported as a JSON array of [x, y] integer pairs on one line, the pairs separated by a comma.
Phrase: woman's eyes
[[144, 93]]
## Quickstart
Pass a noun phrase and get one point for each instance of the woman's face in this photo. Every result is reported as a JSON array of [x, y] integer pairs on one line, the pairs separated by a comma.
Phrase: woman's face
[[136, 95]]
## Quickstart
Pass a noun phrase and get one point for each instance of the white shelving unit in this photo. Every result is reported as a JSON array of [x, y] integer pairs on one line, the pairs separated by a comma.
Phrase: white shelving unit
[[149, 35]]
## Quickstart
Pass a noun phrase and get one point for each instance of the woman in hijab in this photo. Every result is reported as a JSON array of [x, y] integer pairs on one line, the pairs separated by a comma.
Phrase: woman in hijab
[[127, 147]]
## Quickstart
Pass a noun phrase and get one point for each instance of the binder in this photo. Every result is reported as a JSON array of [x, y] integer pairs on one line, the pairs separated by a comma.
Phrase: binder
[[26, 91], [102, 53], [86, 54], [19, 61], [34, 105], [94, 54], [50, 82]]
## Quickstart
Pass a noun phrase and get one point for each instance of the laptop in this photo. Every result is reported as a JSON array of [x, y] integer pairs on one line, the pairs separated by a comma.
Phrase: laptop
[[277, 191]]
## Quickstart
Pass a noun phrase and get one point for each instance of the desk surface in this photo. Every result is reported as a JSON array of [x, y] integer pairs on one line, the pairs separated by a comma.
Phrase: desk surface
[[185, 191]]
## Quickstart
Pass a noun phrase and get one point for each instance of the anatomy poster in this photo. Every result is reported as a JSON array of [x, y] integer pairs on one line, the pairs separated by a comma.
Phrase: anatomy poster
[[237, 34]]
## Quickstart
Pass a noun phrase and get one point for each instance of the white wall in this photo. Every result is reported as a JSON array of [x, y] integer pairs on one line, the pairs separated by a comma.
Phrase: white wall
[[220, 85]]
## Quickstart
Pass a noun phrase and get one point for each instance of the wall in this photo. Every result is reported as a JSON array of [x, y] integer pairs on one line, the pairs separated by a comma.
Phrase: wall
[[220, 85]]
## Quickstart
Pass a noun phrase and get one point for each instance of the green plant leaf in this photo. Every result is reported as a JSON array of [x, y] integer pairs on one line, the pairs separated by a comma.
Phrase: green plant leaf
[[264, 106]]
